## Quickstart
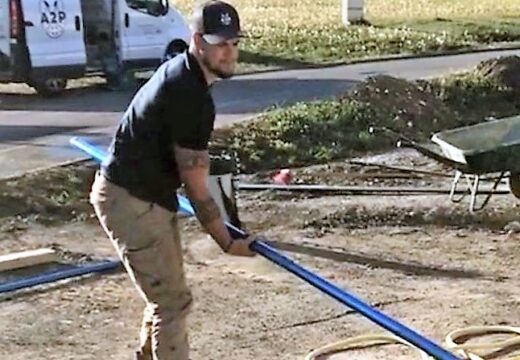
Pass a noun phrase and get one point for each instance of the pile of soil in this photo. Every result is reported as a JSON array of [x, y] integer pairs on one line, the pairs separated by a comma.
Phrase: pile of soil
[[503, 71], [50, 196], [404, 106]]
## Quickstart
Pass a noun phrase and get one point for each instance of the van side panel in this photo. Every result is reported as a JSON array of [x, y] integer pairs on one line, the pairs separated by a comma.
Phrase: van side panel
[[142, 33], [54, 33]]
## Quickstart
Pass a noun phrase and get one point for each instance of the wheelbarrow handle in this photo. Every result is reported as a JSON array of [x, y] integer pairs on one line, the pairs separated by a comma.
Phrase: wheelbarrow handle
[[402, 140]]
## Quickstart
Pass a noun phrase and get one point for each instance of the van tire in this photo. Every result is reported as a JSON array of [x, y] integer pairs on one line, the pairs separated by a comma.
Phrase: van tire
[[174, 48], [49, 87]]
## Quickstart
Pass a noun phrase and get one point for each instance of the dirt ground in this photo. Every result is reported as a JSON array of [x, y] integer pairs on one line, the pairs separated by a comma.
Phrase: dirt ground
[[420, 259]]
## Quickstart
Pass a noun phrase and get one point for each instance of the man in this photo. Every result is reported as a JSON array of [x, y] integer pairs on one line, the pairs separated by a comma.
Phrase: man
[[161, 143]]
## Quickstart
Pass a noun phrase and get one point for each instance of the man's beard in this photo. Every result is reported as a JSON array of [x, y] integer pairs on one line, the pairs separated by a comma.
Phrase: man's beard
[[219, 73]]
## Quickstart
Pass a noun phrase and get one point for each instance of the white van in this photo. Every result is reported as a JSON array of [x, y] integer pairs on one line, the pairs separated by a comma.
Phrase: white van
[[45, 42]]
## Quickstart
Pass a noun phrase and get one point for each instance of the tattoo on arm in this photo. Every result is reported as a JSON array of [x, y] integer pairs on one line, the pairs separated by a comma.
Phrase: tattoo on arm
[[192, 159], [195, 165], [206, 210]]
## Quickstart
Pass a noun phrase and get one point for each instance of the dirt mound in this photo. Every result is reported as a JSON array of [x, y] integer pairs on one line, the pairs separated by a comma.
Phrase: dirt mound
[[49, 196], [404, 106], [503, 71]]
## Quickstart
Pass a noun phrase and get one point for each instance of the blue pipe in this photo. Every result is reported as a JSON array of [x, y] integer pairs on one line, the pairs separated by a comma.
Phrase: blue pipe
[[328, 288], [48, 277]]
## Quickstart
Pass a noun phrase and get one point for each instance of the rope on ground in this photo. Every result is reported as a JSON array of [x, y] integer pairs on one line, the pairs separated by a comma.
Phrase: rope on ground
[[456, 341]]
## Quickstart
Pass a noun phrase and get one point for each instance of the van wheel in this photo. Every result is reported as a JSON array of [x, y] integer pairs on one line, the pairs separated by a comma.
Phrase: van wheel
[[49, 87], [175, 48]]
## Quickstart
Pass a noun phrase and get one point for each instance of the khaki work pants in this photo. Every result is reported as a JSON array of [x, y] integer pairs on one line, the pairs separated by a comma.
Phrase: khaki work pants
[[147, 240]]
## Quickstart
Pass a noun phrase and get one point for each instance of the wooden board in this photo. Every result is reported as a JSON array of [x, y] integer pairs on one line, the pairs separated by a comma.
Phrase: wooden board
[[27, 258]]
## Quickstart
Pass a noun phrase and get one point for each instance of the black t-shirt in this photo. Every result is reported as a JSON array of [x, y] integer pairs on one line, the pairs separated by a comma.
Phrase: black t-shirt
[[174, 107]]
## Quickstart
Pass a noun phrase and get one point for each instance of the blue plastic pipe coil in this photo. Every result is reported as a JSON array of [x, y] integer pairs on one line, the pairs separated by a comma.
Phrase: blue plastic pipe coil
[[325, 286]]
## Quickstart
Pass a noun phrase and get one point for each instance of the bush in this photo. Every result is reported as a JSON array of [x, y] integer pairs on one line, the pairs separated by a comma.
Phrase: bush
[[305, 133]]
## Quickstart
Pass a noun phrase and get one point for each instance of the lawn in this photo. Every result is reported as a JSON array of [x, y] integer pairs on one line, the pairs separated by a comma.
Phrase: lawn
[[289, 33]]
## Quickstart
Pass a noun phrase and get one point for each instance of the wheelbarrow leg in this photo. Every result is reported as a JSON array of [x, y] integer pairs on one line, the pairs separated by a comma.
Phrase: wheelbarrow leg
[[474, 192], [454, 183], [473, 182], [473, 199]]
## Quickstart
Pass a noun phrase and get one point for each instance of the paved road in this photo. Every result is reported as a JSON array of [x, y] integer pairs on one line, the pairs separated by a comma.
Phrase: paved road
[[34, 132]]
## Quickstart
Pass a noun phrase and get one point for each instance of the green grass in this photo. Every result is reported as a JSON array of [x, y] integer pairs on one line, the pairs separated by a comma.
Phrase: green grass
[[301, 134], [467, 31], [288, 33]]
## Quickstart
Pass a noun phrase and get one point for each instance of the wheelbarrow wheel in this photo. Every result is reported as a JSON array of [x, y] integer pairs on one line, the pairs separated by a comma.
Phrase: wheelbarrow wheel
[[514, 184]]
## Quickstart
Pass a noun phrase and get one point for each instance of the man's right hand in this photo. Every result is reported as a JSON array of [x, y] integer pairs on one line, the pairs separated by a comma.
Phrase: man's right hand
[[241, 247]]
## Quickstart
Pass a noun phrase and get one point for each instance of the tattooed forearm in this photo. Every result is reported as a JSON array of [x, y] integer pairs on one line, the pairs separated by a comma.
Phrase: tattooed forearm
[[191, 159], [206, 210]]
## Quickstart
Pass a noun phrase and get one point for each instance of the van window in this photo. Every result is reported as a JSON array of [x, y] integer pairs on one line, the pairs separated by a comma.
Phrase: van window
[[151, 7]]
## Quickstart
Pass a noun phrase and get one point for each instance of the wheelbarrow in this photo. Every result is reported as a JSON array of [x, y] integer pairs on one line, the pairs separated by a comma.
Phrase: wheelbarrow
[[488, 148]]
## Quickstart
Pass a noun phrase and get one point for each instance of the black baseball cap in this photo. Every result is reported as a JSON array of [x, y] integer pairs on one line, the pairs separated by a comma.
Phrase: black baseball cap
[[217, 21]]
